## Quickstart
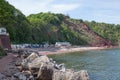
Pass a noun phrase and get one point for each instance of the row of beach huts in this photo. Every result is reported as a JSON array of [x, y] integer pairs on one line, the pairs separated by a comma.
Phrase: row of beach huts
[[43, 45], [6, 44]]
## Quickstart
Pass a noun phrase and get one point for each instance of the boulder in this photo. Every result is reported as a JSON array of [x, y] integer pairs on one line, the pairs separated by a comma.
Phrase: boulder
[[32, 57], [33, 62], [17, 63], [22, 77], [43, 68], [81, 75], [45, 71], [25, 75], [2, 76], [36, 63], [70, 75], [29, 59], [60, 75]]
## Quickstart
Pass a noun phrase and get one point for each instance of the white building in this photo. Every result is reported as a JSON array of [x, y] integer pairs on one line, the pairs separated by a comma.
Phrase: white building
[[3, 31], [59, 44]]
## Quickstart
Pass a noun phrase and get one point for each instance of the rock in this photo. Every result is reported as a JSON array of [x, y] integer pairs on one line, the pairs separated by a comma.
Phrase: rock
[[24, 65], [17, 63], [34, 64], [70, 75], [43, 68], [19, 68], [31, 78], [25, 75], [45, 71], [48, 72], [32, 57], [2, 76], [13, 78], [17, 74], [29, 59], [81, 75], [58, 75], [44, 58], [8, 74], [67, 75], [62, 67], [22, 77]]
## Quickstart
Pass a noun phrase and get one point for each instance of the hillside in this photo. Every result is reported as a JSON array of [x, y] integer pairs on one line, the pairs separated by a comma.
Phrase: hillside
[[108, 31], [50, 27], [15, 22], [58, 27]]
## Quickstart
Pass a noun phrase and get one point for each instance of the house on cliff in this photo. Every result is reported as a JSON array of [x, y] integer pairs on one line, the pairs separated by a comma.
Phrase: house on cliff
[[4, 39]]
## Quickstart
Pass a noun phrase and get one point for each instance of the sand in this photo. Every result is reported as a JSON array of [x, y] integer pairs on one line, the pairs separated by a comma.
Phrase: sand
[[69, 50]]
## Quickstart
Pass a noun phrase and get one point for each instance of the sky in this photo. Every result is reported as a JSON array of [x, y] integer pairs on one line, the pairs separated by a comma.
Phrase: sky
[[107, 11]]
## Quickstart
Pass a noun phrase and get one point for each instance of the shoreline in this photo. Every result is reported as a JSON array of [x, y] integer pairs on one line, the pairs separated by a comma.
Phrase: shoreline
[[70, 50]]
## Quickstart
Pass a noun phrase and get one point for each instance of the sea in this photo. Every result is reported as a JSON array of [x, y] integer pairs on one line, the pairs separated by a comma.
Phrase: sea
[[100, 64]]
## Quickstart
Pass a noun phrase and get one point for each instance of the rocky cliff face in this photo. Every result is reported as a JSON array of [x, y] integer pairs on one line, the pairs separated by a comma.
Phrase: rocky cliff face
[[100, 41], [94, 39]]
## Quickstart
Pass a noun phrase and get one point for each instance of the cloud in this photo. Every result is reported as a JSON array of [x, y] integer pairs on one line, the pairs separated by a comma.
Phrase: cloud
[[64, 7], [98, 10], [109, 18], [31, 6], [101, 11]]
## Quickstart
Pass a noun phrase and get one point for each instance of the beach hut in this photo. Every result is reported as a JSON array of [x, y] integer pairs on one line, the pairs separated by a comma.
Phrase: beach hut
[[59, 44]]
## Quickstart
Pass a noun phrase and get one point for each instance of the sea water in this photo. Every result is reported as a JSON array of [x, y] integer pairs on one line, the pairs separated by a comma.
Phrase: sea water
[[100, 64]]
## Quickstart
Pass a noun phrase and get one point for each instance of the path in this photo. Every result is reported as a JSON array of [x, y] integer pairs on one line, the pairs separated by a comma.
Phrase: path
[[5, 62]]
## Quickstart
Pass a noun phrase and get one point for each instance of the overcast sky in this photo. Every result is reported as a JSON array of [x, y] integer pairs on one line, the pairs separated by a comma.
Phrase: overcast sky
[[98, 10]]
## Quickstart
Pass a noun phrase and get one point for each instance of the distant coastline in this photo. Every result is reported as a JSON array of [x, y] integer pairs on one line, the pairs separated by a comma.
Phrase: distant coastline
[[63, 49], [69, 50]]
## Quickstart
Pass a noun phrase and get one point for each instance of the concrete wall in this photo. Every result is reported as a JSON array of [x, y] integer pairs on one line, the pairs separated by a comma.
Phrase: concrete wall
[[5, 41]]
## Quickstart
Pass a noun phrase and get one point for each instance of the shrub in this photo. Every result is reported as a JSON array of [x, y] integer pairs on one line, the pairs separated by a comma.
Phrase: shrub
[[2, 52]]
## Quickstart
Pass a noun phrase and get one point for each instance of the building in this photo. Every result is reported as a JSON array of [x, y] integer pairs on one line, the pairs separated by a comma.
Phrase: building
[[4, 39], [59, 44]]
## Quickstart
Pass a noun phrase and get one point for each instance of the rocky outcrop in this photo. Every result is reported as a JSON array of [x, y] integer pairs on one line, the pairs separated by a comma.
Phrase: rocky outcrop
[[95, 39], [101, 41], [36, 67], [71, 75]]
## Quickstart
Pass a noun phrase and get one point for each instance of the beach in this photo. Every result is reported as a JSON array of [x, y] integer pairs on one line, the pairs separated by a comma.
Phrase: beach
[[68, 50]]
